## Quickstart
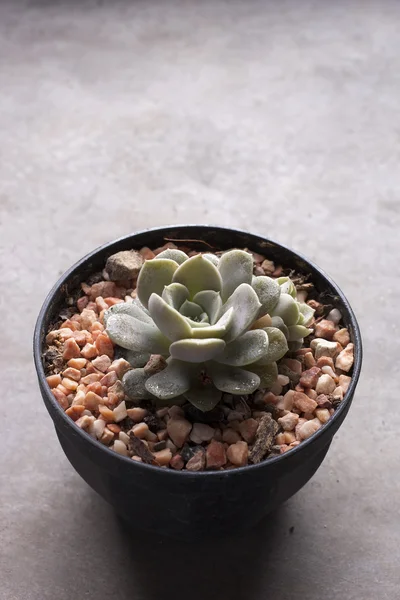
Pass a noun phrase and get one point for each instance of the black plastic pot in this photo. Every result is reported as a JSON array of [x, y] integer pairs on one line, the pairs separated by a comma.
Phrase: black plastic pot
[[177, 503]]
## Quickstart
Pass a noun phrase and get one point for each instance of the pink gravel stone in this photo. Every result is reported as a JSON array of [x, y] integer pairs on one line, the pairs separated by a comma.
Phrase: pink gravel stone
[[309, 378], [248, 430], [179, 430], [238, 454], [303, 402], [215, 455]]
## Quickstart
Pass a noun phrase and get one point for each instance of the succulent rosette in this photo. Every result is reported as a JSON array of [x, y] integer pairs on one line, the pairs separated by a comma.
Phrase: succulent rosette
[[220, 328]]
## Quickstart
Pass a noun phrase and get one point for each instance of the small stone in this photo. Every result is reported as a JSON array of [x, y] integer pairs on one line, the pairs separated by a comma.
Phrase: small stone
[[102, 363], [104, 345], [308, 428], [346, 358], [322, 414], [266, 432], [109, 379], [82, 302], [303, 402], [124, 265], [120, 448], [283, 380], [77, 363], [327, 370], [146, 253], [248, 430], [92, 378], [53, 380], [293, 364], [289, 421], [74, 412], [176, 411], [154, 423], [337, 394], [98, 427], [120, 412], [120, 366], [311, 394], [342, 336], [323, 347], [186, 453], [160, 445], [238, 454], [140, 430], [106, 413], [325, 329], [163, 457], [201, 433], [89, 351], [230, 436], [198, 460], [137, 414], [92, 401], [179, 429], [69, 384], [139, 448], [72, 373], [268, 266], [325, 384], [155, 364], [107, 437], [61, 398], [325, 361], [71, 349], [335, 316], [215, 455], [171, 446], [323, 401], [85, 422], [344, 382], [309, 360], [290, 437], [310, 377], [288, 400], [177, 463], [88, 317]]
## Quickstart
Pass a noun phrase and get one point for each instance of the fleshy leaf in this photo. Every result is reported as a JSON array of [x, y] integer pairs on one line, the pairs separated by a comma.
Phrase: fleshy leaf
[[197, 274], [212, 258], [203, 396], [173, 381], [132, 334], [136, 359], [235, 267], [246, 349], [268, 293], [266, 373], [265, 321], [279, 324], [232, 380], [287, 308], [287, 286], [168, 320], [211, 302], [298, 332], [195, 350], [175, 294], [246, 305], [277, 344], [294, 346], [198, 324], [218, 330], [307, 312], [128, 308], [134, 384], [173, 254], [191, 310], [154, 276]]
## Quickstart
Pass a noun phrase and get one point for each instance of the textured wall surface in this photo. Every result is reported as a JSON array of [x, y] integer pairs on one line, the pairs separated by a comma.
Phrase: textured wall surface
[[278, 117]]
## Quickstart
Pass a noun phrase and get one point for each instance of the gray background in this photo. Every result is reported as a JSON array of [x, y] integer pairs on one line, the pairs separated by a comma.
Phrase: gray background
[[278, 117]]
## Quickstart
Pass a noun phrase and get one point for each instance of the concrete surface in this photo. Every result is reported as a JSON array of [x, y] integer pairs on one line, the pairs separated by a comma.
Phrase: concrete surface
[[278, 117]]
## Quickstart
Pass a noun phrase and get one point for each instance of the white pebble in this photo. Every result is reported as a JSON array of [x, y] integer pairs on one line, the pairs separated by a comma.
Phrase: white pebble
[[124, 437], [98, 427], [119, 412], [308, 428], [325, 384], [276, 388], [322, 414], [120, 448], [329, 371], [283, 380], [346, 358], [323, 347], [335, 316]]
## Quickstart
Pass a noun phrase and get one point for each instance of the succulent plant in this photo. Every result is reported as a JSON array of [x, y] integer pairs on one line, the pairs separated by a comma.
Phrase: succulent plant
[[220, 328]]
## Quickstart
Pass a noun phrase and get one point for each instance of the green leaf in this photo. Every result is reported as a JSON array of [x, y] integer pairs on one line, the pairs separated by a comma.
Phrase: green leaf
[[211, 302], [307, 312], [268, 293], [173, 381], [134, 383], [203, 396], [191, 310], [197, 351], [127, 308], [132, 334], [287, 308], [246, 305], [169, 321], [172, 254], [215, 331], [197, 274], [212, 258], [232, 380], [137, 359], [277, 322], [277, 344], [298, 332], [246, 349], [154, 276], [235, 267], [287, 286], [266, 373], [175, 295]]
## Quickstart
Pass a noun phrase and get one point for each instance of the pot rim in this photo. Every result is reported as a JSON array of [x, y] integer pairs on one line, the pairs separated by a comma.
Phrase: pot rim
[[37, 352]]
